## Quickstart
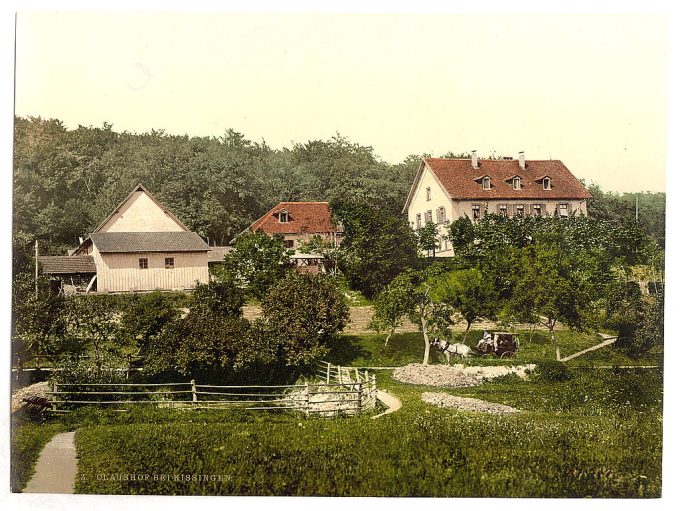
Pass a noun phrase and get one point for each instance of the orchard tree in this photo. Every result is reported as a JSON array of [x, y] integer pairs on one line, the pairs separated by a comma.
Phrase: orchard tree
[[392, 305], [428, 238], [219, 297], [553, 289], [468, 292]]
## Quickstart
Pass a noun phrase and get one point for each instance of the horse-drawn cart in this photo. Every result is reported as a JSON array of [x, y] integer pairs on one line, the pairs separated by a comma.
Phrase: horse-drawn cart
[[499, 344]]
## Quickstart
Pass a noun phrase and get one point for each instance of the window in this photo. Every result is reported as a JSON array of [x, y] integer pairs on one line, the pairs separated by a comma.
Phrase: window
[[428, 193], [516, 183], [475, 211], [143, 263], [503, 209], [441, 215], [546, 183], [519, 210], [283, 216], [486, 183], [418, 222], [536, 209], [428, 216], [169, 263], [289, 243], [564, 210]]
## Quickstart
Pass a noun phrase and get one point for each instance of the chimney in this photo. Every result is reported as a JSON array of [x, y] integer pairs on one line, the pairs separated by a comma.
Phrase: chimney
[[522, 163], [80, 239], [475, 165]]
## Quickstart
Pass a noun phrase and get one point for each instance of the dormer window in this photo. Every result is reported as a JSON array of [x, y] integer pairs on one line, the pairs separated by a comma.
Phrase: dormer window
[[283, 216], [516, 183], [546, 183], [428, 193], [486, 183]]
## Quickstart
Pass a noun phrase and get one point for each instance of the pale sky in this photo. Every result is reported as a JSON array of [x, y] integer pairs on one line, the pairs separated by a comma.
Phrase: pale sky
[[590, 90]]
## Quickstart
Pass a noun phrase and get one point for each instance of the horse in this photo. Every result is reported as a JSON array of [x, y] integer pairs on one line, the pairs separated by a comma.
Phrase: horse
[[449, 349]]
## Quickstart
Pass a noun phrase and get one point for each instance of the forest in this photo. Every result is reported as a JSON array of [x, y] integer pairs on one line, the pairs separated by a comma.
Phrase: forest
[[67, 180]]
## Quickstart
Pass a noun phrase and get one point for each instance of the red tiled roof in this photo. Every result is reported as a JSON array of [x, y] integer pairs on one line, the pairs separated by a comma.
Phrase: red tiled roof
[[459, 179], [303, 218]]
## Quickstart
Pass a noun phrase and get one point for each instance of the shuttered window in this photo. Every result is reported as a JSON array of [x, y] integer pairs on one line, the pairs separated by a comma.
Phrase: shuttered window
[[418, 221], [519, 210], [475, 211]]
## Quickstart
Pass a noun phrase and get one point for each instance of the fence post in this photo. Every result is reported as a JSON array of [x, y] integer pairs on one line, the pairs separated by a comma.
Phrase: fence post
[[356, 373], [194, 396], [328, 372], [339, 374], [307, 399], [129, 367], [360, 395], [54, 396], [366, 377], [374, 390]]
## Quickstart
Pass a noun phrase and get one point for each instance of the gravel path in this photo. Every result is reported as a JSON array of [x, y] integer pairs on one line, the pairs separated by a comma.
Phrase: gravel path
[[457, 375], [37, 389], [466, 403]]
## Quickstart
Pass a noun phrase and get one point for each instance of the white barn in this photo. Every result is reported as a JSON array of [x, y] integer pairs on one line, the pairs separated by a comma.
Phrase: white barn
[[141, 246]]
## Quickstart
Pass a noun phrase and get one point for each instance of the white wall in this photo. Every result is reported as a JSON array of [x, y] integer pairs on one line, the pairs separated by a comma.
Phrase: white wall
[[438, 197], [121, 272], [140, 214]]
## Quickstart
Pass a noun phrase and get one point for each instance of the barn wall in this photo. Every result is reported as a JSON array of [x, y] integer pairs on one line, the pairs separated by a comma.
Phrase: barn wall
[[140, 214], [121, 272]]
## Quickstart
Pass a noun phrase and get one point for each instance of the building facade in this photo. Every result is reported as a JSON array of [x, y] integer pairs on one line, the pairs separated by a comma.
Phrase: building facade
[[140, 246], [298, 222], [447, 189]]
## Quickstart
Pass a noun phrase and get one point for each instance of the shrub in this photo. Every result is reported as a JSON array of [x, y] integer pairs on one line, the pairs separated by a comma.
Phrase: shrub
[[309, 311], [553, 371]]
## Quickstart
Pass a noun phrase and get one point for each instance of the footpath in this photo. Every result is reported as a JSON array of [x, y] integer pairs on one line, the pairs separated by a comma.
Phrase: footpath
[[55, 471]]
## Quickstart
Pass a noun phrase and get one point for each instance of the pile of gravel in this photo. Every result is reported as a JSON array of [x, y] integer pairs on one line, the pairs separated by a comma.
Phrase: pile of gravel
[[466, 403], [37, 389], [457, 375]]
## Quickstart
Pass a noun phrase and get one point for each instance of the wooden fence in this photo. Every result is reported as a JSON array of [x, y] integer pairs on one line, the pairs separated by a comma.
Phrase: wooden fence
[[339, 392]]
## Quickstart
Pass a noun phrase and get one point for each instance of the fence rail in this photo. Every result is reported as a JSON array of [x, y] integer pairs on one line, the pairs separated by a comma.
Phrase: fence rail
[[340, 390]]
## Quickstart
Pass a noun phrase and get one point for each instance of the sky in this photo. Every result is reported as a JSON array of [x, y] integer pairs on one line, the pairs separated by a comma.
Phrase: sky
[[590, 90]]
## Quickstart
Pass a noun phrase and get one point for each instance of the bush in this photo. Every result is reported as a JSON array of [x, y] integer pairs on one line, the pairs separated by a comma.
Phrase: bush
[[309, 311], [553, 371]]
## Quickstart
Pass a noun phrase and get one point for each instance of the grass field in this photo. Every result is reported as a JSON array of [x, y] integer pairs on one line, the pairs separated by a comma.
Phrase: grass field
[[597, 434], [406, 348]]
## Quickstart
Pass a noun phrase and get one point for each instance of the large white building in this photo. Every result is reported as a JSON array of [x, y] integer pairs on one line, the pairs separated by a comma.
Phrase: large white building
[[446, 189]]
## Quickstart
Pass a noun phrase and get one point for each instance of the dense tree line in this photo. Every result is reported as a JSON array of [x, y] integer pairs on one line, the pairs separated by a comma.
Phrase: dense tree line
[[67, 181]]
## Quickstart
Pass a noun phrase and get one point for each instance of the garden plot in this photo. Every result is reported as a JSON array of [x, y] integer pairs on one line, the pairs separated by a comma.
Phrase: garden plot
[[457, 375], [467, 404]]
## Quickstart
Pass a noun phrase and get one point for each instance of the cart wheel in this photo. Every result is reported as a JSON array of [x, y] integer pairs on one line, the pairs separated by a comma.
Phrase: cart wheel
[[508, 354]]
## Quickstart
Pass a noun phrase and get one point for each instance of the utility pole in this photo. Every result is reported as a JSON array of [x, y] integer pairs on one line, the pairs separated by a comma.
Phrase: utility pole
[[36, 269]]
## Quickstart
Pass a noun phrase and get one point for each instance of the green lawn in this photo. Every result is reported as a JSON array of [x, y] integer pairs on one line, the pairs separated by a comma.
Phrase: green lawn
[[596, 434], [406, 348]]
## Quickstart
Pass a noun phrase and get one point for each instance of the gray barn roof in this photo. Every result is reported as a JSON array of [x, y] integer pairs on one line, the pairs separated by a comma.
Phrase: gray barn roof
[[56, 265], [127, 242]]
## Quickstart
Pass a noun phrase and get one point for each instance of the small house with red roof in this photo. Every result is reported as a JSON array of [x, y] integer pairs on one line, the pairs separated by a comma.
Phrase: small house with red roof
[[297, 222], [446, 189]]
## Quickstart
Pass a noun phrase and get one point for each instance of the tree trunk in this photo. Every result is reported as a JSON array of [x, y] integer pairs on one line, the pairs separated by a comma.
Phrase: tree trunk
[[426, 356], [531, 332], [469, 324], [388, 337], [554, 341]]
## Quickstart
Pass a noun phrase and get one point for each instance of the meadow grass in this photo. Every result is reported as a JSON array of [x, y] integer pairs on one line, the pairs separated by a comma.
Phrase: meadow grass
[[407, 348], [554, 447], [596, 434]]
